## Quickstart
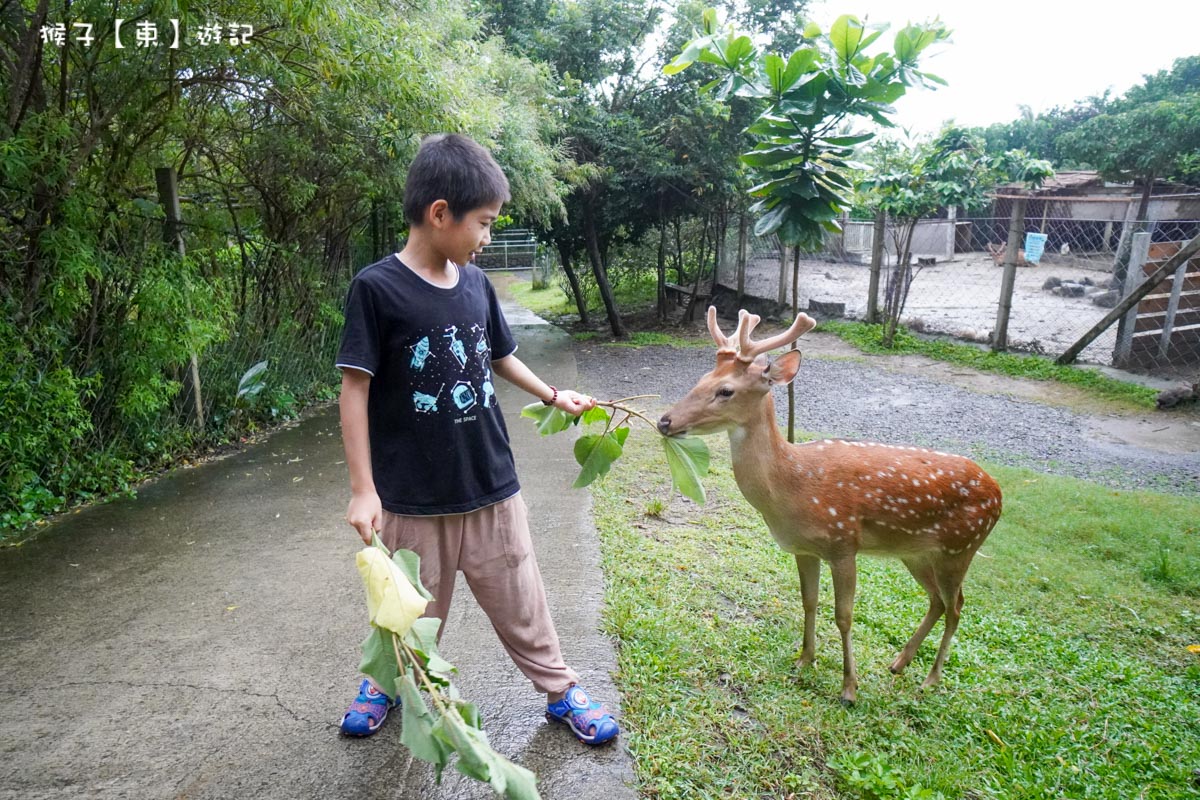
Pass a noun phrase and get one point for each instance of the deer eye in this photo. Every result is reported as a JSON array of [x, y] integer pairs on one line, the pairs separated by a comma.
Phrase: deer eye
[[724, 391]]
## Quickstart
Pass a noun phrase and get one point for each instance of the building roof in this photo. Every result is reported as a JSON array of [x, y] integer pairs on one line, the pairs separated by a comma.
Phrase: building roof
[[1088, 183]]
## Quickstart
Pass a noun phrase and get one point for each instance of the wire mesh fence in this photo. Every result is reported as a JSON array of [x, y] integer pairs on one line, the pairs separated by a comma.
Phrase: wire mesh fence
[[1070, 274]]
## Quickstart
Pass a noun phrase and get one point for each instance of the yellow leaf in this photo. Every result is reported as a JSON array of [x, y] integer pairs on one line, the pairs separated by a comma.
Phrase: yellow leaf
[[1194, 648], [392, 602]]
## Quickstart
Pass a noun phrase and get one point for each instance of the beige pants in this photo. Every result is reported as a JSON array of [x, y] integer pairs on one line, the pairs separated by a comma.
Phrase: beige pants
[[492, 548]]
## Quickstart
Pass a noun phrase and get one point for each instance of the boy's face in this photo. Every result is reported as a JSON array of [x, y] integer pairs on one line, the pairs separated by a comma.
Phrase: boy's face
[[459, 240]]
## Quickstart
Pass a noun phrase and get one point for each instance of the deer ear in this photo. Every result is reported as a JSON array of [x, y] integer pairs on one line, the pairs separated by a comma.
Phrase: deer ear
[[784, 368]]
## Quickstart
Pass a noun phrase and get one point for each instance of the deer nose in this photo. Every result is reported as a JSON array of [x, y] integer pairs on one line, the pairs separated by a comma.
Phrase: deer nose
[[664, 425]]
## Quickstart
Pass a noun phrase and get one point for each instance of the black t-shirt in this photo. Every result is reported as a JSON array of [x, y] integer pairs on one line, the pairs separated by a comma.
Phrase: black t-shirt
[[438, 440]]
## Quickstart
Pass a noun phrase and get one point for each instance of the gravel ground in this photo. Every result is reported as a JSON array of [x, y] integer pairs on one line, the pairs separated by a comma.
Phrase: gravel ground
[[851, 399]]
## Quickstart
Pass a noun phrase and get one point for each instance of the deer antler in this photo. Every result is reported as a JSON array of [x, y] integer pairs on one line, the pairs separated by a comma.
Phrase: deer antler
[[748, 350], [728, 344]]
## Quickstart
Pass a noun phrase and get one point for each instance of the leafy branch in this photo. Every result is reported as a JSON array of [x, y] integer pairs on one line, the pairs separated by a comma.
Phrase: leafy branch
[[687, 457], [400, 655]]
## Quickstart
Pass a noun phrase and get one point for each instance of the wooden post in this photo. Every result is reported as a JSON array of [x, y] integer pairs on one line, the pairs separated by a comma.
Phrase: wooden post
[[1186, 252], [1135, 275], [1164, 344], [1016, 227], [168, 196], [878, 233]]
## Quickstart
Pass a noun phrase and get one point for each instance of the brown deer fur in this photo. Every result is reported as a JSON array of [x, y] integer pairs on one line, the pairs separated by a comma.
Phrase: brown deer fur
[[831, 499]]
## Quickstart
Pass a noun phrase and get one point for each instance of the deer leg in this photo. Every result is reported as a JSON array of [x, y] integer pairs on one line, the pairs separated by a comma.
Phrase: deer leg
[[845, 578], [923, 572], [810, 580], [951, 593]]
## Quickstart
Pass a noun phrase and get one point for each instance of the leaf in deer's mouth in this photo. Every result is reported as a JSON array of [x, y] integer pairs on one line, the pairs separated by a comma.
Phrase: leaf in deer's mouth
[[687, 456]]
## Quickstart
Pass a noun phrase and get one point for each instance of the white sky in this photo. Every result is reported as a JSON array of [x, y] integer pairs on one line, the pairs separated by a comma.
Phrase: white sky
[[1039, 53]]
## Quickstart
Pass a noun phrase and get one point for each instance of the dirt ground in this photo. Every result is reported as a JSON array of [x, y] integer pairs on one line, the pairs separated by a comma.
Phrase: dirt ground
[[960, 298]]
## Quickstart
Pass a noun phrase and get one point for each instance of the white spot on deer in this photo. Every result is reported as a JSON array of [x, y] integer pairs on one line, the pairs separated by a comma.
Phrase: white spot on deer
[[841, 526], [833, 512], [916, 482], [817, 500]]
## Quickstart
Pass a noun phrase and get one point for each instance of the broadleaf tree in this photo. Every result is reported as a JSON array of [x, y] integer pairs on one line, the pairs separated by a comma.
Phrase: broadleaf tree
[[912, 183], [812, 98]]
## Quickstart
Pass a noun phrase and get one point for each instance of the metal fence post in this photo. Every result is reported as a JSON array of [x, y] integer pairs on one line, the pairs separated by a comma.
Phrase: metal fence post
[[1016, 227], [1135, 276]]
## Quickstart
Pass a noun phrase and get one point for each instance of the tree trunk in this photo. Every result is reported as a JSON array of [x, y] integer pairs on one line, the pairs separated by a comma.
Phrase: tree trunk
[[743, 237], [564, 254], [795, 312], [690, 312], [662, 272], [593, 249], [678, 254]]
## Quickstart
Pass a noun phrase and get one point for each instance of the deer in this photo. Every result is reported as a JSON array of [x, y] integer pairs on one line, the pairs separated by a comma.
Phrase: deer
[[831, 499]]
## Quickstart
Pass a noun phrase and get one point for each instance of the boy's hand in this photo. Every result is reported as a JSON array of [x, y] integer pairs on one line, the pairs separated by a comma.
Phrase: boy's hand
[[574, 403], [365, 515]]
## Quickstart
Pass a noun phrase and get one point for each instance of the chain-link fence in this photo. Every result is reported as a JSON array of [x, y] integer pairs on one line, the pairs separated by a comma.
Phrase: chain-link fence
[[1069, 275]]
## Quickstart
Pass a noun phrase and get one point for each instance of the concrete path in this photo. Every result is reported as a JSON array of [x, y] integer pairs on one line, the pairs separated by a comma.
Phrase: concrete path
[[201, 641]]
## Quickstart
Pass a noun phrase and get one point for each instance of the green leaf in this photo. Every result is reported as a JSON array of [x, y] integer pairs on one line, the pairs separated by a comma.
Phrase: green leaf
[[738, 51], [687, 456], [845, 36], [416, 732], [410, 564], [597, 414], [548, 418], [775, 69], [800, 62], [848, 141], [770, 221], [249, 385], [379, 660], [595, 454], [422, 638], [812, 30]]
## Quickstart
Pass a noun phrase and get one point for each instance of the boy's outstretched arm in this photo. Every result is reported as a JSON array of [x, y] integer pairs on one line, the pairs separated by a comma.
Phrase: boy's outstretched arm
[[513, 370], [365, 512]]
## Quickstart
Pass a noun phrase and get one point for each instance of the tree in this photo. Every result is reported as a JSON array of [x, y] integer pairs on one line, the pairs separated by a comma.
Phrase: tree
[[802, 154], [910, 184]]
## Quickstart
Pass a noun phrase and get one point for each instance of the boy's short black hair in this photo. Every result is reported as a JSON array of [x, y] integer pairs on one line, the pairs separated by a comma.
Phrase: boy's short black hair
[[454, 168]]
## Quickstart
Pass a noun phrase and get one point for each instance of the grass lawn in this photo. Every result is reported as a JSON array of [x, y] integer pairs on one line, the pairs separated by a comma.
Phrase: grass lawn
[[1070, 676]]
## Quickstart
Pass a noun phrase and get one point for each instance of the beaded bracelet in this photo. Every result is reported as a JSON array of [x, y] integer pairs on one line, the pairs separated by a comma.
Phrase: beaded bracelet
[[553, 397]]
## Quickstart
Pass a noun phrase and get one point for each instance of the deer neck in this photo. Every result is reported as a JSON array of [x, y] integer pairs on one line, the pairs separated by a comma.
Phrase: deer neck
[[757, 450]]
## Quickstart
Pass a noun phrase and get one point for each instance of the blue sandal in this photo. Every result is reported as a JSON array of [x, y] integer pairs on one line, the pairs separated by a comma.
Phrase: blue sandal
[[590, 721], [368, 711]]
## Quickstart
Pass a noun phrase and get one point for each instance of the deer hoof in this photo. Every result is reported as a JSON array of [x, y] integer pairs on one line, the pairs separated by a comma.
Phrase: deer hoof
[[847, 702]]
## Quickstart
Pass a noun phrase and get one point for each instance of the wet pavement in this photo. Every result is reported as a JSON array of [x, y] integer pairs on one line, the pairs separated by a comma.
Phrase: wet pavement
[[201, 640]]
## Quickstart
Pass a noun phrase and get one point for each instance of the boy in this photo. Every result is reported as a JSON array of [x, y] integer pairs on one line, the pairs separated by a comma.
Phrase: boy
[[430, 464]]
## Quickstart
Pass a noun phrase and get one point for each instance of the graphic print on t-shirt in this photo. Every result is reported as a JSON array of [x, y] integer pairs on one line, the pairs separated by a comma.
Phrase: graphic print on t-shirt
[[420, 353], [456, 346], [441, 357], [427, 403], [489, 391]]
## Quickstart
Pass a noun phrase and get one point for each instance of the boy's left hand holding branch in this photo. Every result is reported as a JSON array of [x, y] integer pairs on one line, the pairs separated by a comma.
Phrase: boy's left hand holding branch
[[513, 370], [573, 403]]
